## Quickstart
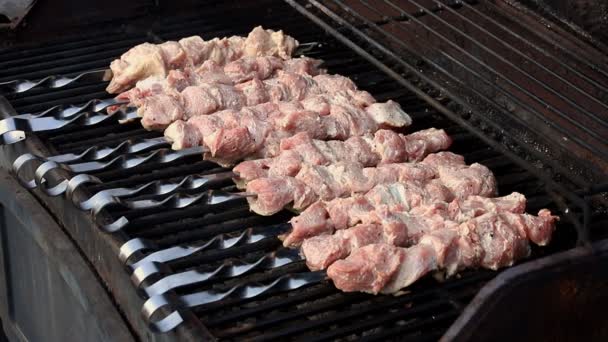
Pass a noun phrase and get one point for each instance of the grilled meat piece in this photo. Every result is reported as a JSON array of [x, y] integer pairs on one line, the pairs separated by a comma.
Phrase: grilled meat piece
[[370, 268], [383, 147], [344, 179], [204, 99], [211, 73], [329, 182], [147, 59], [492, 240], [258, 130], [323, 250], [326, 216], [404, 228], [249, 68]]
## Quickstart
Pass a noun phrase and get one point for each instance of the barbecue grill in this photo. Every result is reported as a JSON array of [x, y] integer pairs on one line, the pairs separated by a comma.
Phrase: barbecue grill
[[122, 238]]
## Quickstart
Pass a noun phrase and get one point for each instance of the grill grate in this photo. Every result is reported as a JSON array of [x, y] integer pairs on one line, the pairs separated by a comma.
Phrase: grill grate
[[228, 234], [463, 52]]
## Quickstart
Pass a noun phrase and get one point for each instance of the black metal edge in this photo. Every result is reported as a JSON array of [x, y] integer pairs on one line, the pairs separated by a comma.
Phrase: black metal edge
[[101, 249], [488, 299], [60, 250]]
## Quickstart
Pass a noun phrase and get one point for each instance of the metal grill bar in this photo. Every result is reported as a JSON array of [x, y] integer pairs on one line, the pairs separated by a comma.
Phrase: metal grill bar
[[558, 38], [546, 54], [506, 92], [570, 82], [436, 105], [177, 241], [558, 111]]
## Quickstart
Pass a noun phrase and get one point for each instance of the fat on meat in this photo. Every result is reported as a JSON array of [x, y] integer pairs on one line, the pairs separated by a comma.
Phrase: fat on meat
[[157, 60], [385, 146], [488, 241], [340, 180], [416, 198], [282, 120]]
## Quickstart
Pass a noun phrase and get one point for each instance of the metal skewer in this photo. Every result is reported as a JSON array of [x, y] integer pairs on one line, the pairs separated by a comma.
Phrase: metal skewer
[[228, 269], [179, 196], [61, 111], [240, 292], [50, 122], [54, 82], [142, 272]]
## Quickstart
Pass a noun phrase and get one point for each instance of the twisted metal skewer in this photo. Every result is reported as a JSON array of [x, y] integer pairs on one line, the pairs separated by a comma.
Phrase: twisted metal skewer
[[57, 81], [50, 123], [177, 200], [95, 153], [61, 111], [221, 241], [179, 196], [228, 269], [121, 162], [244, 291], [153, 263]]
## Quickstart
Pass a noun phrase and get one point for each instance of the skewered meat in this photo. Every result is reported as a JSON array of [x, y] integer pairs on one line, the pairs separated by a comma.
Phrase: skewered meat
[[429, 198], [403, 228], [344, 179], [147, 59], [257, 131], [493, 240], [328, 182], [208, 98], [323, 217], [249, 68], [323, 250], [383, 147], [210, 73]]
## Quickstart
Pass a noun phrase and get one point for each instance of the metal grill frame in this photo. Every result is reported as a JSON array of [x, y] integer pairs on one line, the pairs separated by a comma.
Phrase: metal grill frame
[[79, 223]]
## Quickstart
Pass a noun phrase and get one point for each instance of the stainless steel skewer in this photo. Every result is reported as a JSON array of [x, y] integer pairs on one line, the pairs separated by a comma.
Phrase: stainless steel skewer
[[178, 193], [227, 269], [245, 291], [53, 82], [61, 111], [143, 269], [26, 124]]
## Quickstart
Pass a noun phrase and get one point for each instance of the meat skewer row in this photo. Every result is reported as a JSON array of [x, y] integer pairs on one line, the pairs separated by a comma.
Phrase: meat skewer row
[[147, 59], [492, 241], [160, 110], [238, 71], [404, 228], [383, 147], [454, 182], [315, 182], [256, 132]]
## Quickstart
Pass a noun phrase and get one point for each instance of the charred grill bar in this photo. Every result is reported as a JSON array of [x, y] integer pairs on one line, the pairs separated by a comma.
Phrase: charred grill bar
[[205, 259]]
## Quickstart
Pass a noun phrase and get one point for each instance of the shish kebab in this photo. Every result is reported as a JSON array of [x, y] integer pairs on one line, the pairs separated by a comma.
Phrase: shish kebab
[[404, 224], [210, 88], [157, 60], [492, 240]]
